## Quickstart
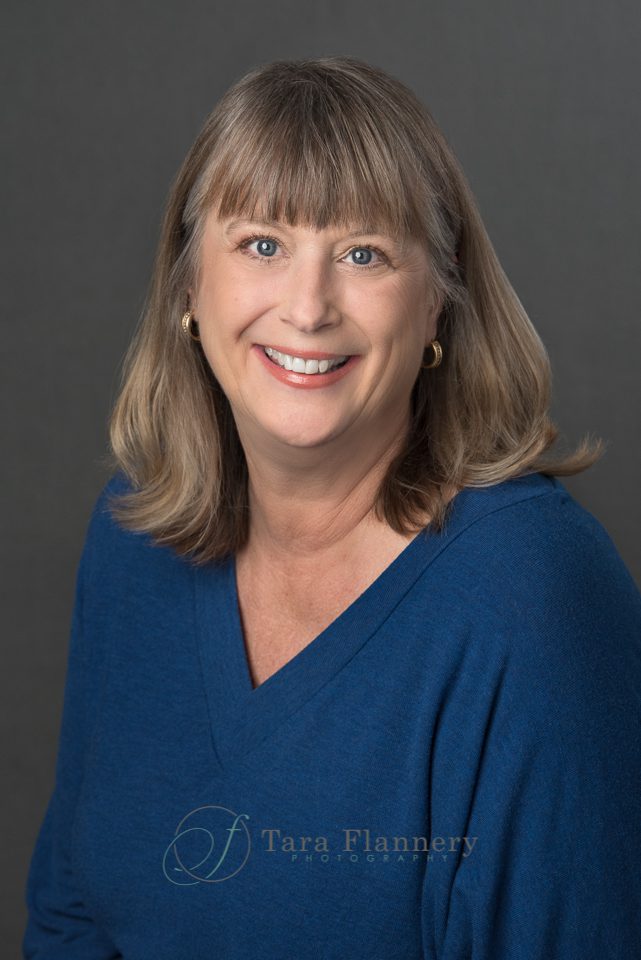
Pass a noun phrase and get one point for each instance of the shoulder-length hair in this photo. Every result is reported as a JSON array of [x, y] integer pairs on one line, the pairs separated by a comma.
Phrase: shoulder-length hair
[[329, 142]]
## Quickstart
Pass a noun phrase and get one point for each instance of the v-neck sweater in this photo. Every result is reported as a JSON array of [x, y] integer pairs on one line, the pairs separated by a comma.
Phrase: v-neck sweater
[[451, 769]]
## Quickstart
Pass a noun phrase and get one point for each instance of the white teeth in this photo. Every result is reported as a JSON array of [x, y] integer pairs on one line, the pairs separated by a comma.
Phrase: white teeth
[[300, 365]]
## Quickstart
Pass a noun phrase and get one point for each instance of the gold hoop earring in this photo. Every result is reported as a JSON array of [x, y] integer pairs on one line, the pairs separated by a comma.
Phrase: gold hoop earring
[[438, 355], [186, 325]]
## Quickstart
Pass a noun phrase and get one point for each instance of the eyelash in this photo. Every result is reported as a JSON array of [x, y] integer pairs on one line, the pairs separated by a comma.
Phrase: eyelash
[[244, 244]]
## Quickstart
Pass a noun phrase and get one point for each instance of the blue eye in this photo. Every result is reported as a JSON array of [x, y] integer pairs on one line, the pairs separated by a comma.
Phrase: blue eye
[[264, 246], [362, 255]]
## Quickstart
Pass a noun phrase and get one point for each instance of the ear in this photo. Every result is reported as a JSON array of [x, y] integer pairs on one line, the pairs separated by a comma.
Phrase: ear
[[434, 312]]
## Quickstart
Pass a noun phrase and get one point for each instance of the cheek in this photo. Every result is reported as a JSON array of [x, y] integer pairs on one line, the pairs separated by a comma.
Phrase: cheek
[[400, 336], [397, 327], [227, 309]]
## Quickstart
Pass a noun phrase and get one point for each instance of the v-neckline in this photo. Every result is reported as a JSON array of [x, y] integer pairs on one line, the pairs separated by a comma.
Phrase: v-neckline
[[319, 638], [241, 715]]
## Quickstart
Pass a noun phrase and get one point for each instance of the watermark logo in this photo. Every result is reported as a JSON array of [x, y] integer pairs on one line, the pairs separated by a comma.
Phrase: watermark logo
[[210, 844]]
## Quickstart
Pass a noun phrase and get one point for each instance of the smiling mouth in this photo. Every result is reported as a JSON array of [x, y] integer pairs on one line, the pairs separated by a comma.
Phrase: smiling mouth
[[307, 365]]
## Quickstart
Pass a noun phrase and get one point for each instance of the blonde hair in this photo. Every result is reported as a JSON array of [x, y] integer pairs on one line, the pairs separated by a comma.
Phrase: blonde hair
[[326, 142]]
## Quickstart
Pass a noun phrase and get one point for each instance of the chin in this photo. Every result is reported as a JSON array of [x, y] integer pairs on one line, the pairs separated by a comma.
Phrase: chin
[[303, 436], [307, 440]]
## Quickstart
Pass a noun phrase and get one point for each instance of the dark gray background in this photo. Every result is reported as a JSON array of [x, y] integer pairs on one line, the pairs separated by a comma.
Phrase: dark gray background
[[539, 101]]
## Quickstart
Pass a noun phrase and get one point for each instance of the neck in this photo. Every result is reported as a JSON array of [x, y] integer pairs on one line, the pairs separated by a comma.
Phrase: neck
[[308, 501]]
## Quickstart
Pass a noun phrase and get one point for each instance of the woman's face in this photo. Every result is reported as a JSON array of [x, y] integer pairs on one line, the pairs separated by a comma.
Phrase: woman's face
[[313, 297]]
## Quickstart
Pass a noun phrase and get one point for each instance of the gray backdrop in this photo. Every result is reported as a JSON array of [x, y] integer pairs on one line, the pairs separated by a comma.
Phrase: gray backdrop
[[540, 102]]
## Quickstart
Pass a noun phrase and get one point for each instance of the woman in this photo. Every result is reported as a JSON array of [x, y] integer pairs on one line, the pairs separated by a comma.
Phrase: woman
[[351, 674]]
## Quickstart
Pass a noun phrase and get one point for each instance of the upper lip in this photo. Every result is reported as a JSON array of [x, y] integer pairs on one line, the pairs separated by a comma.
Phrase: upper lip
[[304, 354]]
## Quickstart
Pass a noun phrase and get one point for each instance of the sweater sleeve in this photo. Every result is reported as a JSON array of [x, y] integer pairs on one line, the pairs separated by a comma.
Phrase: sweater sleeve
[[59, 924], [551, 772]]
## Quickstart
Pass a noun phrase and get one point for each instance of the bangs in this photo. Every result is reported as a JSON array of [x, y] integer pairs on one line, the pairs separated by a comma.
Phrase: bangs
[[316, 157]]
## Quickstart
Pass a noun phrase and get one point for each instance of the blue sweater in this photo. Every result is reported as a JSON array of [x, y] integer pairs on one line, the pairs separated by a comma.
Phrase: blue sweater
[[451, 769]]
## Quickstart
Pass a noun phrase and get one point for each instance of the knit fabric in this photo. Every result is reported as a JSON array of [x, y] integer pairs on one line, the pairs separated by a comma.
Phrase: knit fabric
[[450, 770]]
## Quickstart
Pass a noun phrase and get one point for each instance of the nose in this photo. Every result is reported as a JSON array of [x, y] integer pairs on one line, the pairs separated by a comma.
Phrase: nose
[[308, 302]]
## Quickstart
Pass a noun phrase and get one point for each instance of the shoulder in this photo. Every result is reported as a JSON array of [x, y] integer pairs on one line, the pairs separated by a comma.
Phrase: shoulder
[[547, 606], [530, 540], [115, 554]]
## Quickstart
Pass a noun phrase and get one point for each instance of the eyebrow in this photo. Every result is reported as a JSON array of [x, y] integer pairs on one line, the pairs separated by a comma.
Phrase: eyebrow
[[367, 229]]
